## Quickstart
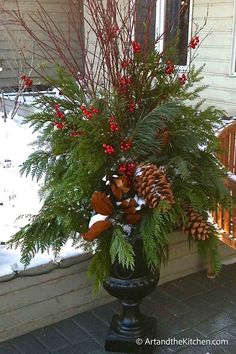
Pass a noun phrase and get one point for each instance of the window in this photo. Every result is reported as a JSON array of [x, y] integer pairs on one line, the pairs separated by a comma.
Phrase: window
[[170, 18], [233, 53]]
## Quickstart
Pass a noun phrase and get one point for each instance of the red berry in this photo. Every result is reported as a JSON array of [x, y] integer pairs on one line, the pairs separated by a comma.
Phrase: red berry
[[126, 145], [194, 42], [122, 168], [89, 112], [136, 47], [74, 133], [113, 124], [127, 168], [60, 115], [169, 69], [59, 125], [27, 81], [182, 79], [132, 106], [108, 149], [125, 63], [93, 110]]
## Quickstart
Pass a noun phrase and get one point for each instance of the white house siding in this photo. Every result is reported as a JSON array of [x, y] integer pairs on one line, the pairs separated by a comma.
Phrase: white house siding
[[10, 58], [215, 52]]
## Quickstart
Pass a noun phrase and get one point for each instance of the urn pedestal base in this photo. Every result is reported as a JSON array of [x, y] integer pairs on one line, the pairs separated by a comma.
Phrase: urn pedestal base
[[116, 342]]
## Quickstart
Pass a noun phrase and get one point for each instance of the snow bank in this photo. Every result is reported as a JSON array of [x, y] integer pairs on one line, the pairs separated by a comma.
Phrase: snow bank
[[18, 195]]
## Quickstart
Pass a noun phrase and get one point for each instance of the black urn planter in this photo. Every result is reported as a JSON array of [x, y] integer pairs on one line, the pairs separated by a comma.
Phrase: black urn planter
[[128, 331]]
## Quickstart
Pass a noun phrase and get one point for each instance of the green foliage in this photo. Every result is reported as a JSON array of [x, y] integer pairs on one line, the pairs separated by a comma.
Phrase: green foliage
[[208, 249], [144, 136], [38, 164], [99, 267], [55, 223], [70, 161], [121, 249], [155, 227]]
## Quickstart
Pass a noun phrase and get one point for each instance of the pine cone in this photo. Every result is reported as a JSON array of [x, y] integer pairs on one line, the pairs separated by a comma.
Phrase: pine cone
[[196, 225], [152, 185]]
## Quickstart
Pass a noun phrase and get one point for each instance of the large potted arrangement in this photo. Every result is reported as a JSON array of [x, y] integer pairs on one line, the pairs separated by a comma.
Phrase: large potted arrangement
[[125, 158]]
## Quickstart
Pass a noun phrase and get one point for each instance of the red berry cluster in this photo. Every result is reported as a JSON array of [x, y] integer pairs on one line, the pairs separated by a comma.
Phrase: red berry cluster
[[124, 83], [59, 113], [114, 127], [126, 145], [127, 169], [59, 125], [132, 106], [194, 42], [125, 63], [109, 149], [74, 133], [169, 69], [136, 47], [27, 81], [61, 116], [88, 112], [182, 79]]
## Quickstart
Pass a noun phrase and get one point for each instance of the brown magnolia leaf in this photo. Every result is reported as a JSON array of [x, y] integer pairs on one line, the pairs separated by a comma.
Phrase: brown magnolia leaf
[[101, 203], [96, 229], [120, 186], [129, 203], [131, 210], [133, 219], [117, 192]]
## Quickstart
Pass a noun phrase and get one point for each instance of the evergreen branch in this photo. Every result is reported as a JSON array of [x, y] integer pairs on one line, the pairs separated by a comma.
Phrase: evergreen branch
[[208, 249], [154, 229], [121, 249], [145, 133], [99, 267], [37, 164]]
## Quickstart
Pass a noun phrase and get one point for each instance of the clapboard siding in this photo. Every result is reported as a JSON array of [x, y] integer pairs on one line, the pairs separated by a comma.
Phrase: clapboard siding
[[215, 52], [212, 2], [14, 37], [33, 302], [214, 10]]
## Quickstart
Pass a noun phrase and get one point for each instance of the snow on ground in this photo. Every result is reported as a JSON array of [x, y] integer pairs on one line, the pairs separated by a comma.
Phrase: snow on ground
[[18, 194]]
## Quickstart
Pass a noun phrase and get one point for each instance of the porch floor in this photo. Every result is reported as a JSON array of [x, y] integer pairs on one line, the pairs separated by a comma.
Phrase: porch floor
[[190, 307]]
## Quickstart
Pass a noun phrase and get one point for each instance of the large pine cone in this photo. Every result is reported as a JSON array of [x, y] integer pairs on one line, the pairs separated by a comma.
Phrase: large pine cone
[[152, 185], [196, 225]]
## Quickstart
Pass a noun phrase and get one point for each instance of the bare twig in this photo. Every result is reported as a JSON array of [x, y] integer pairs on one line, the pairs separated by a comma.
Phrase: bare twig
[[3, 106]]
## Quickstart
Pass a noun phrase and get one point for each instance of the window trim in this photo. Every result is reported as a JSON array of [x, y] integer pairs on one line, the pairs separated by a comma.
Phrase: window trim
[[160, 22], [233, 45]]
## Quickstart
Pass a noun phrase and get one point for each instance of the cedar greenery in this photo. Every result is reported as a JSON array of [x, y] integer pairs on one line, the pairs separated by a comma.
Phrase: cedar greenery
[[70, 161]]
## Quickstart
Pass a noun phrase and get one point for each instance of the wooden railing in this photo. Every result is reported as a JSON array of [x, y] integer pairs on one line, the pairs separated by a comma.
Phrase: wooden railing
[[225, 218]]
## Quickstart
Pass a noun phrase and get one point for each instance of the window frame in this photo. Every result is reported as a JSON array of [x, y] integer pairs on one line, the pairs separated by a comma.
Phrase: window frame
[[233, 45], [160, 23]]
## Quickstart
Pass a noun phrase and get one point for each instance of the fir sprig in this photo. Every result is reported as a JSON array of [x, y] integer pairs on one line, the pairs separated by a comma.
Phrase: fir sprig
[[154, 229], [121, 249]]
